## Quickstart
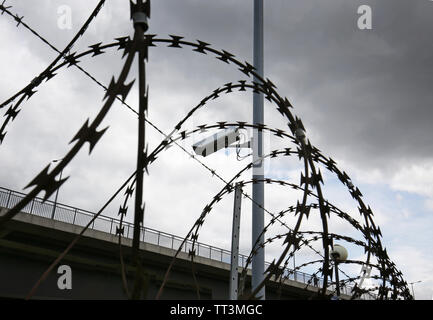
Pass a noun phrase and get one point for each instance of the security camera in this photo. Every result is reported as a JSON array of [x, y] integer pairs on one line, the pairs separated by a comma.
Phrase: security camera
[[339, 253], [218, 141]]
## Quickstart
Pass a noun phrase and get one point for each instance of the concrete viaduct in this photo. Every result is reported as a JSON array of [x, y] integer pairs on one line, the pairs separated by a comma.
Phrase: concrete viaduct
[[34, 239]]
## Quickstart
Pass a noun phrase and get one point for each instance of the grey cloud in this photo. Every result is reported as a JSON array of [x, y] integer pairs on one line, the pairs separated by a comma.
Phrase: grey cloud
[[366, 95]]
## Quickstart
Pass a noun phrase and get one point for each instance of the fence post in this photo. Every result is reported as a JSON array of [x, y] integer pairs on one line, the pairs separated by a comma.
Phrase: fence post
[[111, 226], [31, 207], [75, 215], [9, 198]]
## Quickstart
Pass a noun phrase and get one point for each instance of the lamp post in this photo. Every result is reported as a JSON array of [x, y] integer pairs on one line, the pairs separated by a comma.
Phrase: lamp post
[[411, 284], [338, 254], [258, 261], [57, 192]]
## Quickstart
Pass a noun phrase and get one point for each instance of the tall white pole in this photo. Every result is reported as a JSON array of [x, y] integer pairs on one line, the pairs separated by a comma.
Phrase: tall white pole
[[258, 262], [233, 288]]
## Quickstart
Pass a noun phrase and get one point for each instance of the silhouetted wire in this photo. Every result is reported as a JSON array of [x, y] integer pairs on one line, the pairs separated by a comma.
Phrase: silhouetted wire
[[45, 181]]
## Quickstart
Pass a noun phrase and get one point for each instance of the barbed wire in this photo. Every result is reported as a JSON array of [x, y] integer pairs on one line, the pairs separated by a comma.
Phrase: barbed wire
[[91, 133], [47, 73]]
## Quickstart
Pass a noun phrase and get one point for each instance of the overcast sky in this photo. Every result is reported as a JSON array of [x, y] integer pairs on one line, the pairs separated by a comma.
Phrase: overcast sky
[[364, 96]]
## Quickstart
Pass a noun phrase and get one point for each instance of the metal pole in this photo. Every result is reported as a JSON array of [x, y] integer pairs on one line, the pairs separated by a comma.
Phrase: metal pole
[[138, 218], [235, 244], [9, 199], [258, 261], [55, 200], [337, 280], [31, 208], [140, 24]]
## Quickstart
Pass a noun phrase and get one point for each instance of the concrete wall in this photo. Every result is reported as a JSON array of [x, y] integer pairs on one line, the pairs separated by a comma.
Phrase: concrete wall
[[29, 244]]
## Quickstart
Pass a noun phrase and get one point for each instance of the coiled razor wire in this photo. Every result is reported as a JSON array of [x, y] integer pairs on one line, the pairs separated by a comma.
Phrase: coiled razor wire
[[91, 133], [300, 208]]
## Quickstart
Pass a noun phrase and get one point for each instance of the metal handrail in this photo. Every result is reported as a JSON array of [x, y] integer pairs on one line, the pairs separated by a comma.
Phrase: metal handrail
[[80, 217]]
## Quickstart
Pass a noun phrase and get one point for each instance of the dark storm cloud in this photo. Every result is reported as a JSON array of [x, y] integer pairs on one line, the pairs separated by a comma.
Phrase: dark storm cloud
[[367, 93]]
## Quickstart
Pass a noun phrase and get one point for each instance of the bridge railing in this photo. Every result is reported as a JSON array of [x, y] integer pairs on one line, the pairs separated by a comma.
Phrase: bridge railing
[[80, 217]]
